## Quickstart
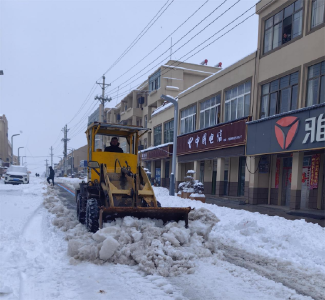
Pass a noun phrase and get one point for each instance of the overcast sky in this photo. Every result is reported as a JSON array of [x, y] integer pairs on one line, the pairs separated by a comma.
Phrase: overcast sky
[[52, 53]]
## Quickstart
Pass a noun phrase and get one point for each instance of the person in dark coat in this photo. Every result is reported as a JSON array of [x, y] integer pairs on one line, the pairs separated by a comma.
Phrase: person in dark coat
[[51, 176], [114, 147]]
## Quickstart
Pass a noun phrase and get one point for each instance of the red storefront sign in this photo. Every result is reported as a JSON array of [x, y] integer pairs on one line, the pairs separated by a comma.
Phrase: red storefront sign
[[314, 172], [277, 173], [157, 153], [220, 136]]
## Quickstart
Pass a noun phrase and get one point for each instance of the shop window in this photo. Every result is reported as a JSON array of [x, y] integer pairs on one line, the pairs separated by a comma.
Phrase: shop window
[[157, 135], [210, 112], [316, 84], [283, 26], [169, 132], [317, 12], [154, 81], [237, 102], [280, 95], [188, 119]]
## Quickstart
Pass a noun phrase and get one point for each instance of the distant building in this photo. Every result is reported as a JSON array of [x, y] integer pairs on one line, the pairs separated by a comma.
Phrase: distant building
[[5, 146]]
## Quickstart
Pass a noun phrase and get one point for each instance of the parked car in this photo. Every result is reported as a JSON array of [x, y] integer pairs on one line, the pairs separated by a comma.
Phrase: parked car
[[16, 175]]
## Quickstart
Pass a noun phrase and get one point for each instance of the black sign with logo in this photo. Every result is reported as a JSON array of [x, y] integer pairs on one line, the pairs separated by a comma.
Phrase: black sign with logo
[[302, 129]]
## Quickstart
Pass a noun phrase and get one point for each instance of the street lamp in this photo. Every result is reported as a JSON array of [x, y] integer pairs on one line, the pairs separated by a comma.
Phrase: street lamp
[[172, 175], [12, 148], [18, 155]]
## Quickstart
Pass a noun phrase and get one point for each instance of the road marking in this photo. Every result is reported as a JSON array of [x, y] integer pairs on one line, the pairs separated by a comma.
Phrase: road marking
[[72, 193]]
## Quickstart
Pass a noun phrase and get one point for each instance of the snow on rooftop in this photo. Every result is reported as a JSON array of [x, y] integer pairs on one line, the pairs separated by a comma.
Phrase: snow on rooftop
[[181, 68], [172, 78], [164, 106], [156, 147], [207, 78], [170, 87]]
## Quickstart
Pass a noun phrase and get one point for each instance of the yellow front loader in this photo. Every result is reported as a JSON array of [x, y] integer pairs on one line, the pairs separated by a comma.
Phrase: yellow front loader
[[117, 185]]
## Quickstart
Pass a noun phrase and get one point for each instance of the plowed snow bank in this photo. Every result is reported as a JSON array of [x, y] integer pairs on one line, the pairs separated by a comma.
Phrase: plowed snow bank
[[165, 250]]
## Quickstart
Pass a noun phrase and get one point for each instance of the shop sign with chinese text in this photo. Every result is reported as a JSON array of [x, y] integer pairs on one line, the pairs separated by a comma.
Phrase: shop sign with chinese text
[[157, 153], [303, 129], [221, 136]]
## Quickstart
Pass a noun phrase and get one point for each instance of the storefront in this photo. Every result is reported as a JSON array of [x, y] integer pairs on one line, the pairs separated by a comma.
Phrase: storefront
[[292, 148], [217, 155], [157, 161]]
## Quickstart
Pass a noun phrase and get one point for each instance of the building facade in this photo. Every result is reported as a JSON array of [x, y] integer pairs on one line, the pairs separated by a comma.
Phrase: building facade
[[5, 146], [255, 130]]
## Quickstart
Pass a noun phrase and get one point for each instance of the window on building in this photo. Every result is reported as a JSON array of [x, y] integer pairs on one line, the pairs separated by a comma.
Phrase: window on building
[[157, 135], [280, 95], [210, 112], [145, 121], [316, 84], [237, 102], [154, 81], [145, 143], [139, 122], [317, 12], [169, 132], [188, 119], [283, 26]]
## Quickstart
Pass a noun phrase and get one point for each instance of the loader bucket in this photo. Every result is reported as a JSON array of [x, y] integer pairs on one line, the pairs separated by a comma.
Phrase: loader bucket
[[161, 213]]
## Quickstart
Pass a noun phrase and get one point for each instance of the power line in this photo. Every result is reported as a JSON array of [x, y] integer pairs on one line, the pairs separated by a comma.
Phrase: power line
[[161, 42], [143, 69], [179, 62], [84, 103], [139, 35]]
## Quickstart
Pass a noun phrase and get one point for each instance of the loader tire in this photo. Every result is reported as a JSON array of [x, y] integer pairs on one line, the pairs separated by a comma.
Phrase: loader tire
[[81, 210], [92, 215]]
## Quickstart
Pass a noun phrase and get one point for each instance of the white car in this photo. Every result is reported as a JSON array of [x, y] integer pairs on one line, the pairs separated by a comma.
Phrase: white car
[[16, 175]]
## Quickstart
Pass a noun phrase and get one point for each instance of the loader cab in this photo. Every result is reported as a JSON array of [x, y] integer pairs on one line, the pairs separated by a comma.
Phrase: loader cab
[[99, 137]]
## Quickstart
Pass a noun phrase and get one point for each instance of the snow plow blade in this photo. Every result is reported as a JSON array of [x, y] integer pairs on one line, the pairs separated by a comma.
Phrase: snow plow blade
[[165, 214]]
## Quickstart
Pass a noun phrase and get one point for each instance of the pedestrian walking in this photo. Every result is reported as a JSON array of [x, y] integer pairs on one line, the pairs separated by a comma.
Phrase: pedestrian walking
[[51, 176]]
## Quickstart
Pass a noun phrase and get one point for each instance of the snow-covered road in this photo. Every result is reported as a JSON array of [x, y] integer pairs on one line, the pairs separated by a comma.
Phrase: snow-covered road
[[244, 256]]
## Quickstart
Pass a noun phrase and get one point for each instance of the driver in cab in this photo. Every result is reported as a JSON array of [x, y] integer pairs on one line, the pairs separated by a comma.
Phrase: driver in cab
[[114, 147]]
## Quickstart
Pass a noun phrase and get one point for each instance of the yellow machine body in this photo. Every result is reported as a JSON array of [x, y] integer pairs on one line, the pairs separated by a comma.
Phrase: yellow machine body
[[118, 182]]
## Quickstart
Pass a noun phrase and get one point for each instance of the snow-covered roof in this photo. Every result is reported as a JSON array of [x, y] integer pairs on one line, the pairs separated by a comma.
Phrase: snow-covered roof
[[170, 87], [164, 106], [172, 78], [156, 147], [213, 74], [181, 68]]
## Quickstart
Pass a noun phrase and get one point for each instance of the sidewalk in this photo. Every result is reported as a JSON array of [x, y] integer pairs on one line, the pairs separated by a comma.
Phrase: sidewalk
[[310, 215]]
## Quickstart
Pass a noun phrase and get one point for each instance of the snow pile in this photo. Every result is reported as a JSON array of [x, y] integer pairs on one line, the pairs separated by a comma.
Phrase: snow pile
[[166, 250], [296, 243]]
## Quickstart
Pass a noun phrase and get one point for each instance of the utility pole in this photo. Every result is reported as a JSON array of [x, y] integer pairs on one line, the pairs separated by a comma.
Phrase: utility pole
[[51, 156], [102, 99], [46, 166], [65, 148]]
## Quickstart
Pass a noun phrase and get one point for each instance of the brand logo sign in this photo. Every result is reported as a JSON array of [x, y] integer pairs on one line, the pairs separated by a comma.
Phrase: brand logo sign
[[301, 130], [286, 130]]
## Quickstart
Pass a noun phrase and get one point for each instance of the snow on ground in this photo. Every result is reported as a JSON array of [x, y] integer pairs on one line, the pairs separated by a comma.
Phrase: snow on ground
[[297, 242], [243, 256]]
